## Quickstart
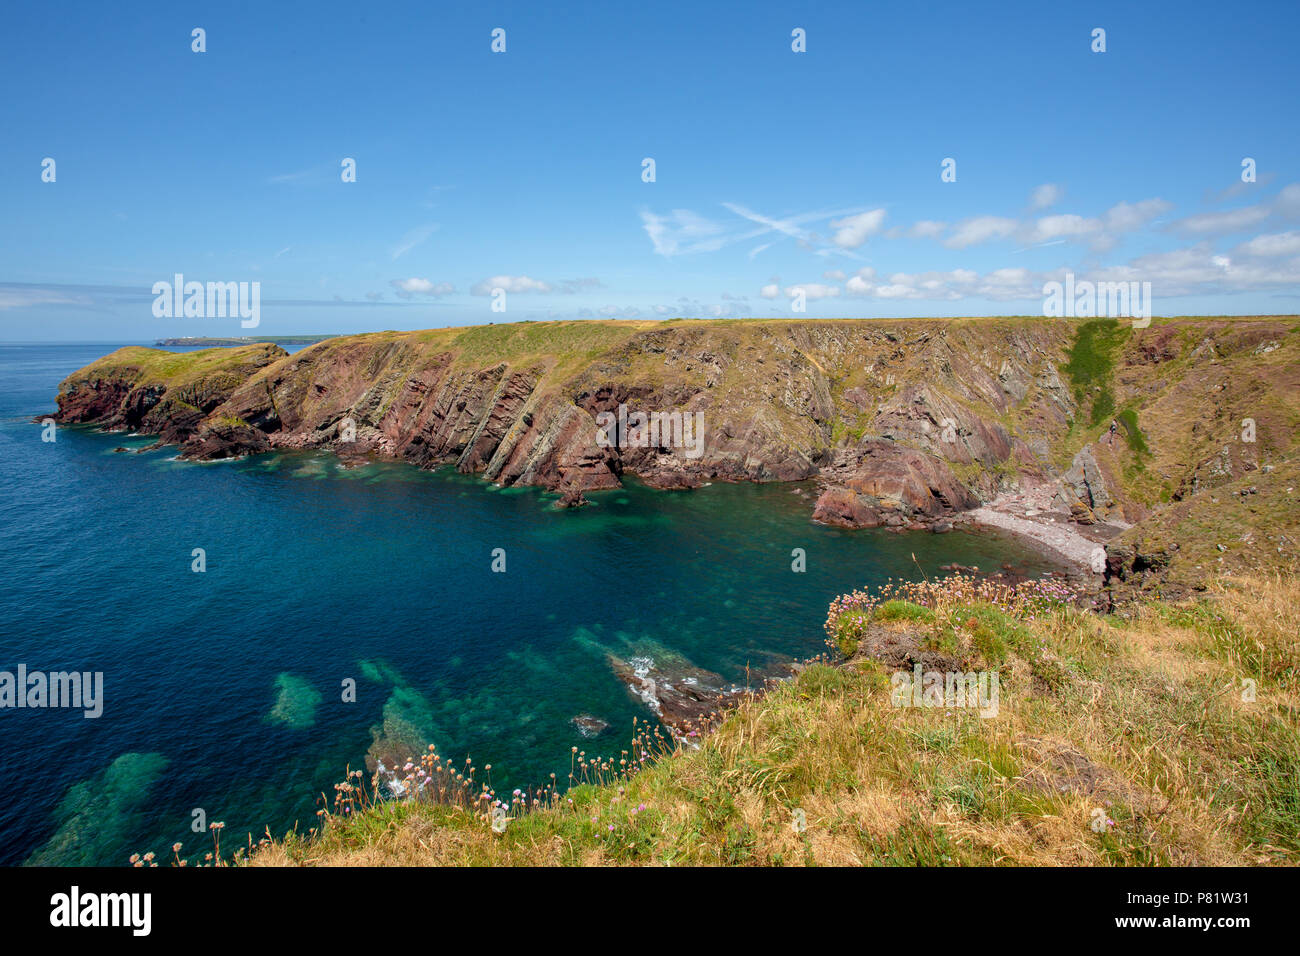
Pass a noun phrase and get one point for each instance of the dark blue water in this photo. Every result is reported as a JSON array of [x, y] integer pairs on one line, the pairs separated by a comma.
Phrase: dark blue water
[[223, 688]]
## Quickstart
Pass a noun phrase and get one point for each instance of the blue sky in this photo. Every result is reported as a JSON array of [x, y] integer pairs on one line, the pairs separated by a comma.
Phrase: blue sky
[[775, 170]]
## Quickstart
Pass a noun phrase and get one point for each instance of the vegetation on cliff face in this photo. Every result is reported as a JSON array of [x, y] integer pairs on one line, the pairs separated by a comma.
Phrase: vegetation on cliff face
[[1166, 736], [1206, 460], [904, 422], [1092, 363]]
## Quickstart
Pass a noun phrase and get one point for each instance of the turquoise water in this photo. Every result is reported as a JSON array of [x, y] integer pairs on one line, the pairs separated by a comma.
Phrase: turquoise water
[[223, 689]]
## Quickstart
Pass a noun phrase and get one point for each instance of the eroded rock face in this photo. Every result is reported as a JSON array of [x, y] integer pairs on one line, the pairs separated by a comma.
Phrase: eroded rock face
[[884, 483], [98, 401], [1229, 462], [884, 417], [845, 508], [1084, 488], [1129, 569], [225, 438], [122, 396]]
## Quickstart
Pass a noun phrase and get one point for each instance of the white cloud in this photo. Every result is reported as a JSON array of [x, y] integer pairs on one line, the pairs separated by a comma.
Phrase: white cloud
[[1100, 233], [1046, 195], [770, 291], [572, 286], [1200, 270], [1221, 223], [406, 288], [616, 312], [1068, 226], [1285, 204], [683, 232], [969, 232], [835, 275], [1270, 246], [860, 283], [1125, 217], [999, 284], [927, 229], [813, 291], [853, 231], [517, 284]]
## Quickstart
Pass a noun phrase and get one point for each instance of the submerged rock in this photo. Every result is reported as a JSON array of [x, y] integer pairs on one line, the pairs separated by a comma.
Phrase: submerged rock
[[572, 498], [589, 726], [296, 702], [96, 816]]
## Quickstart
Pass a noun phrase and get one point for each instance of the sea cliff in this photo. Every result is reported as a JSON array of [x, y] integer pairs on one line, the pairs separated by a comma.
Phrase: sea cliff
[[1091, 427]]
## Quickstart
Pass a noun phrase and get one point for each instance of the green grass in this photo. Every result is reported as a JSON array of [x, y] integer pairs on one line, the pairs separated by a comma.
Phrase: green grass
[[1091, 363], [146, 366], [899, 610], [1136, 440]]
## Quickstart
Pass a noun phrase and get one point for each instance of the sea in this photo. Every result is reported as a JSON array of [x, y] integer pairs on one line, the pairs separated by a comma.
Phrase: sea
[[257, 623]]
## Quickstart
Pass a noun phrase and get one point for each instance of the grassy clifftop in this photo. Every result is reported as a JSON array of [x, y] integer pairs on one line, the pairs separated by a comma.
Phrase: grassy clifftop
[[139, 365], [1167, 736]]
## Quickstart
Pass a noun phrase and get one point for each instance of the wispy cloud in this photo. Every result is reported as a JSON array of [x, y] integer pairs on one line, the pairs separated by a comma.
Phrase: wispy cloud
[[685, 232], [979, 229], [682, 232], [302, 176], [514, 284], [21, 295], [1285, 205], [572, 286], [413, 238], [1045, 196]]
